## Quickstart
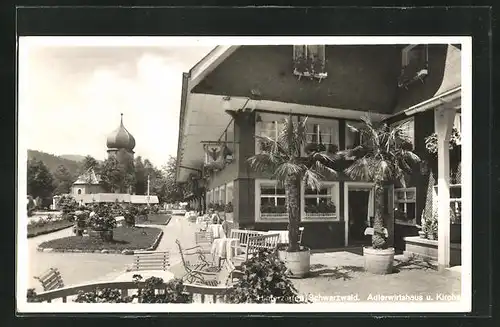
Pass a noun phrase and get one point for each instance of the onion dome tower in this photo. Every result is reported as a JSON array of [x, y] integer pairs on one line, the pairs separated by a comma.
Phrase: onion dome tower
[[120, 139]]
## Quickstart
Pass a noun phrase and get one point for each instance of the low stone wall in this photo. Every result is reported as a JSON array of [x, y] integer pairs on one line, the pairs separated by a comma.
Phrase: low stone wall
[[428, 249]]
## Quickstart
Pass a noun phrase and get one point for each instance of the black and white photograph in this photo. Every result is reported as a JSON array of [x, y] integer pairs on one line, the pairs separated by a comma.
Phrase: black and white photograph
[[244, 174]]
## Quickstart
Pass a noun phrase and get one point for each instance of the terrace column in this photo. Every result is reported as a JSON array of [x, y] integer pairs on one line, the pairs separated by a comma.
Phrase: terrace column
[[443, 120]]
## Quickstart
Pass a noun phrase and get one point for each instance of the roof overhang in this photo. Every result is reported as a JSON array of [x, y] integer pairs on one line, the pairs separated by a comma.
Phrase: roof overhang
[[451, 98], [205, 121], [192, 108]]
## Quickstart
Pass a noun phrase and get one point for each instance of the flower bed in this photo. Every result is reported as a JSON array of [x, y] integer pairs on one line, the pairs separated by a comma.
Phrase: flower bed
[[124, 238], [41, 228], [154, 219]]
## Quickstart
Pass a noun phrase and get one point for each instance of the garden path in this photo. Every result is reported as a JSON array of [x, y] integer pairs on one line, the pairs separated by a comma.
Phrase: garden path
[[79, 268]]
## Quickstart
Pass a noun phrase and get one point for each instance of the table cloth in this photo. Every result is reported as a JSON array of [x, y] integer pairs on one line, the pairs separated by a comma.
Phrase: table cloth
[[216, 230], [224, 248]]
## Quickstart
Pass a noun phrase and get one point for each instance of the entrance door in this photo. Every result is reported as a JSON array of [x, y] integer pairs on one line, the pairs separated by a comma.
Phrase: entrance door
[[358, 215]]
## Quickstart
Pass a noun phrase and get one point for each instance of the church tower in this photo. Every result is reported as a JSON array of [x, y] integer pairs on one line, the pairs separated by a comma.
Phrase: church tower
[[120, 139]]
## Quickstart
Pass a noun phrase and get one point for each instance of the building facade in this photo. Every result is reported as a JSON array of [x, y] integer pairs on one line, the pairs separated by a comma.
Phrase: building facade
[[237, 92]]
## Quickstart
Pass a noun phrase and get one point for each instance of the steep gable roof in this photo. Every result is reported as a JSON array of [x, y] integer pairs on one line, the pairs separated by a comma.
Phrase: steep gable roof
[[88, 178]]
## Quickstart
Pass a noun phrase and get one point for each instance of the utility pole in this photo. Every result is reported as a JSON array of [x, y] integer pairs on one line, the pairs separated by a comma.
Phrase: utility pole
[[148, 191]]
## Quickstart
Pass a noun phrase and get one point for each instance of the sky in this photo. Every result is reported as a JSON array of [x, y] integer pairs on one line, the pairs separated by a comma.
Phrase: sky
[[71, 94]]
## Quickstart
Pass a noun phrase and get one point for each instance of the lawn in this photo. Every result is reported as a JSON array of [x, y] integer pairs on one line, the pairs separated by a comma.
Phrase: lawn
[[49, 227], [130, 238], [154, 219]]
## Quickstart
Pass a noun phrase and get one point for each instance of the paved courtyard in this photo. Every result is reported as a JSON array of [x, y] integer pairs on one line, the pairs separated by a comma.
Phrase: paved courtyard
[[342, 273]]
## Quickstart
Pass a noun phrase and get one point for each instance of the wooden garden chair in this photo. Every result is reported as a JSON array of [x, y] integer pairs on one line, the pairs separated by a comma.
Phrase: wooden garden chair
[[51, 279], [194, 261], [255, 244], [215, 276], [204, 240]]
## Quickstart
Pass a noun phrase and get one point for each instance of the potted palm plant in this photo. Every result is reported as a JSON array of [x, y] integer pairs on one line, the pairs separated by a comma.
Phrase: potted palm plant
[[383, 157], [282, 159]]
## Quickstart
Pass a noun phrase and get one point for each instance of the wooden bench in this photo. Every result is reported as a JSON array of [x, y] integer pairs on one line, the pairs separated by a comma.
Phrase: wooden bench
[[244, 235], [151, 261], [51, 279], [255, 244]]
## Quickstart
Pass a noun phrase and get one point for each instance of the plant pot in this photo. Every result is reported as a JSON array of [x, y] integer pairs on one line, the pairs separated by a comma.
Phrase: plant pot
[[421, 234], [378, 261], [298, 263], [431, 237]]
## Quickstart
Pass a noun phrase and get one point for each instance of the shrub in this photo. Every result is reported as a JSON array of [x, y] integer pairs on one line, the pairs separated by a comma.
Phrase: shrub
[[228, 208], [31, 296], [105, 295], [264, 280], [129, 213], [171, 292], [103, 217], [68, 206]]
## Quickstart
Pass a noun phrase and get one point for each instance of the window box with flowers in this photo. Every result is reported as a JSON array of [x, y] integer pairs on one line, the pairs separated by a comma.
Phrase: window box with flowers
[[270, 200], [320, 204], [309, 61]]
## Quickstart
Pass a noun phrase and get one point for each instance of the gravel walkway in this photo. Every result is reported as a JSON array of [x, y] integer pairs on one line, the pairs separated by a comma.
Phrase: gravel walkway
[[77, 268]]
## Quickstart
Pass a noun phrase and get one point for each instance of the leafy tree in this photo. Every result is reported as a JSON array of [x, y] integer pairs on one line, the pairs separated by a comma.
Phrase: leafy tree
[[90, 162], [140, 176], [62, 180], [174, 191], [118, 173], [283, 160], [384, 156], [40, 180]]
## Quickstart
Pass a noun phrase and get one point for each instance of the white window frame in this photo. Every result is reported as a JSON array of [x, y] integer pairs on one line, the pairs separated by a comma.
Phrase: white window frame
[[405, 201], [271, 218], [230, 218], [334, 130], [355, 124], [230, 185], [406, 121], [335, 198], [222, 194], [267, 118]]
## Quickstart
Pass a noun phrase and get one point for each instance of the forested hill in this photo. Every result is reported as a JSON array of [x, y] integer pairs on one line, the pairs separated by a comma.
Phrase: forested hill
[[53, 161]]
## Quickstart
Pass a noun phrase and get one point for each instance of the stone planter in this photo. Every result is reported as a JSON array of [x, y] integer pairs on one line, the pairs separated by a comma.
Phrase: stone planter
[[104, 235], [428, 249], [229, 216], [378, 261], [421, 234], [299, 263]]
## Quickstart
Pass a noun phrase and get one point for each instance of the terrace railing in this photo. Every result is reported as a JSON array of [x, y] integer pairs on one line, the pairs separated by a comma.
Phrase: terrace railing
[[201, 293]]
